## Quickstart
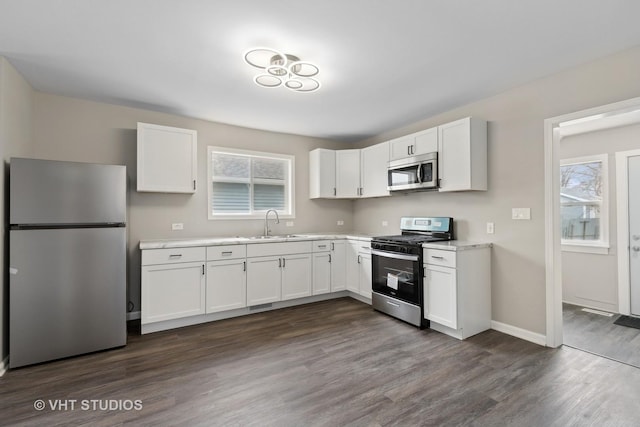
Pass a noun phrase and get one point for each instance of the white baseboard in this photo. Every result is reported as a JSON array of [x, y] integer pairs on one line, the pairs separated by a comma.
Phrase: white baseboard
[[4, 365], [519, 333], [133, 315]]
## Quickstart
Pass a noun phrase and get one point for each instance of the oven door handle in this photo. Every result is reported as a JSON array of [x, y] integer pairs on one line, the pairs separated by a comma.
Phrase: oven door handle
[[395, 255]]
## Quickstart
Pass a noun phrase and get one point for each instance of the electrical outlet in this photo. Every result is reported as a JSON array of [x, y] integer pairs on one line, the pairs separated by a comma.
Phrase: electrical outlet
[[177, 226], [521, 213], [385, 223], [340, 222], [490, 228], [289, 223]]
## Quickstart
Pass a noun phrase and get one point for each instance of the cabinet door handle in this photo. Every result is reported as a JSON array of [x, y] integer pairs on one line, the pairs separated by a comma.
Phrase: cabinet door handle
[[359, 259], [408, 150], [203, 269], [227, 253], [280, 262], [333, 247], [329, 257], [174, 256], [244, 266], [437, 257], [334, 191], [412, 149], [284, 262], [322, 246], [194, 184]]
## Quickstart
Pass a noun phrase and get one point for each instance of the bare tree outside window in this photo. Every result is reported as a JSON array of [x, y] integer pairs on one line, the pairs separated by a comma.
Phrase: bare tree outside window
[[581, 199]]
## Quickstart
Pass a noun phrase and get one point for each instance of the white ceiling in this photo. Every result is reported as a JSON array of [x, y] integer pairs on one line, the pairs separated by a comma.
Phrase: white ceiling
[[384, 63]]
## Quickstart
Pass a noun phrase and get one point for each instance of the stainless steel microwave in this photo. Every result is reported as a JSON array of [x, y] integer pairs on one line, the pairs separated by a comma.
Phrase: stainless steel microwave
[[413, 173]]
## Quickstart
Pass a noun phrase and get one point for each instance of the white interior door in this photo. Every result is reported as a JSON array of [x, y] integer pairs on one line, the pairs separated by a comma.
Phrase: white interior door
[[634, 233]]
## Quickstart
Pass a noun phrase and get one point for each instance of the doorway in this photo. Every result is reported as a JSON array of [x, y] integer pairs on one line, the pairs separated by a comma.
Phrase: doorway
[[608, 116], [633, 172], [628, 184]]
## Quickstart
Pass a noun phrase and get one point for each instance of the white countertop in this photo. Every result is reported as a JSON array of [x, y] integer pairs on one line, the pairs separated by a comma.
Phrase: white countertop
[[456, 245], [217, 241]]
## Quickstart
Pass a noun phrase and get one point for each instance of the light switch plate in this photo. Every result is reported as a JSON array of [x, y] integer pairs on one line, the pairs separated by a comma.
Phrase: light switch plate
[[177, 226], [340, 222], [490, 228], [385, 223], [521, 213]]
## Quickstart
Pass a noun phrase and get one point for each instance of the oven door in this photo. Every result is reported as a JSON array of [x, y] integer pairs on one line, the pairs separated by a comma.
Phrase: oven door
[[418, 175], [397, 275]]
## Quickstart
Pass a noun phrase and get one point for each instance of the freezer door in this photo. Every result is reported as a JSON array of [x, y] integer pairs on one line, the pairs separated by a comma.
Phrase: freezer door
[[52, 192], [67, 293]]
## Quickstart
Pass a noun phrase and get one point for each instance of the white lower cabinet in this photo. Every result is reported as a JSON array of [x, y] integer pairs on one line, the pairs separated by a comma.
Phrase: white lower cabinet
[[264, 277], [441, 296], [457, 290], [353, 267], [208, 281], [226, 285], [296, 276], [282, 275], [172, 291], [338, 265], [226, 278], [358, 268], [329, 266], [321, 273]]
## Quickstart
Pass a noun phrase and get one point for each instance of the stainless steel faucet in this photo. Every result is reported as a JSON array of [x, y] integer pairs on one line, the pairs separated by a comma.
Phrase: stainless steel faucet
[[266, 221]]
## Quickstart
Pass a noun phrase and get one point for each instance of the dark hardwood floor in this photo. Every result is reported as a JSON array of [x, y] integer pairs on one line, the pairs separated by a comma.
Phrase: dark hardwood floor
[[332, 363], [599, 335]]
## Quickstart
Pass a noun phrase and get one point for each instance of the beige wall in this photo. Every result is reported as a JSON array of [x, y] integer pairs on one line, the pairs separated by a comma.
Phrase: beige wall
[[78, 130], [591, 279], [16, 106], [516, 178]]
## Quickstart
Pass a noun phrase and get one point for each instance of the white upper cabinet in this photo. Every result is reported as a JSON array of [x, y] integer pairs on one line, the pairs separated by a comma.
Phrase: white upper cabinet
[[167, 159], [348, 173], [322, 173], [462, 155], [351, 174], [373, 168], [422, 142]]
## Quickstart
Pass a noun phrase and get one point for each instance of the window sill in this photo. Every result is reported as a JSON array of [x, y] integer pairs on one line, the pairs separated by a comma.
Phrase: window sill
[[599, 249], [252, 217]]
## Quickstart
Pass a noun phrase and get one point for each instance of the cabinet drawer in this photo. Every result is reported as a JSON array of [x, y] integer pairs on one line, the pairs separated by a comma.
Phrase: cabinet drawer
[[321, 245], [440, 257], [270, 249], [215, 253], [168, 256], [364, 247]]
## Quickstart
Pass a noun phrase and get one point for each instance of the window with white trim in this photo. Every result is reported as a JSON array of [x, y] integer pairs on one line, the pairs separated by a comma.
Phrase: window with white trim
[[246, 184], [584, 209]]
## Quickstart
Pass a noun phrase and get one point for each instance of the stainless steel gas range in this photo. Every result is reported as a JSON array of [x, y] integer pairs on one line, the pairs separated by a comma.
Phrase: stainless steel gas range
[[397, 267]]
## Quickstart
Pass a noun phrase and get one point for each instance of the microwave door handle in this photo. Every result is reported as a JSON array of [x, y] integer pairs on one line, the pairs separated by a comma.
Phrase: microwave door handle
[[419, 174]]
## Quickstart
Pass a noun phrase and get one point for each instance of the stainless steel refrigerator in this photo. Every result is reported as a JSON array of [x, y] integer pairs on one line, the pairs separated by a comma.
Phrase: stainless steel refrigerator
[[67, 259]]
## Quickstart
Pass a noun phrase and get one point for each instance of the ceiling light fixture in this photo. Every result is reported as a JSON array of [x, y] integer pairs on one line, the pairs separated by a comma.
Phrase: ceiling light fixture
[[283, 70]]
